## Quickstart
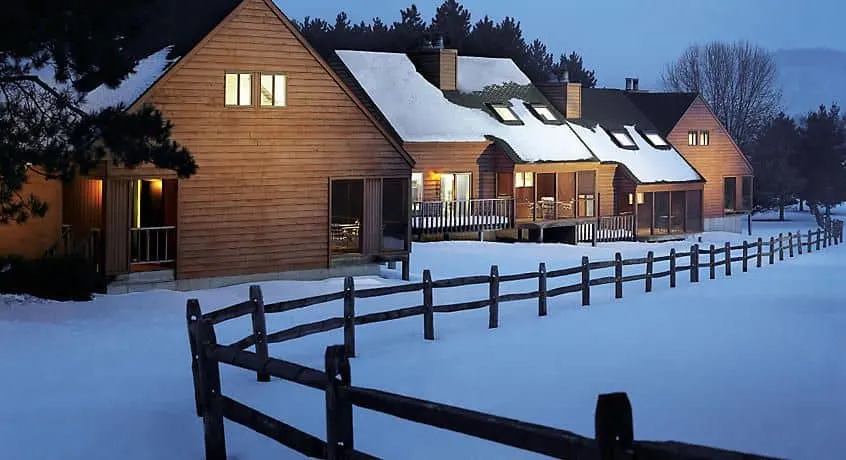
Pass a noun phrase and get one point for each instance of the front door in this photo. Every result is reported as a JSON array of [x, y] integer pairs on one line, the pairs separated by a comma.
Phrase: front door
[[455, 187]]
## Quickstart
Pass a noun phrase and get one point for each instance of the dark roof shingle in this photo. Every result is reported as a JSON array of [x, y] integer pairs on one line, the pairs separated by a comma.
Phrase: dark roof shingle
[[663, 109]]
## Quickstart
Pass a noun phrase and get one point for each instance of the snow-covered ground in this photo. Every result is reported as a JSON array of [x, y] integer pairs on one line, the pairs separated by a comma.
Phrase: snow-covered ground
[[753, 363]]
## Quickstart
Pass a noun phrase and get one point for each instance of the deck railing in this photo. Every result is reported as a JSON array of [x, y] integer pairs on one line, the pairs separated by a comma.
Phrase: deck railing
[[152, 245], [607, 229], [462, 216]]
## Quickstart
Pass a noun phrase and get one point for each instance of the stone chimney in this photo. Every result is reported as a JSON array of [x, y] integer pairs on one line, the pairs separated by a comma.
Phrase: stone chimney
[[564, 95], [437, 64]]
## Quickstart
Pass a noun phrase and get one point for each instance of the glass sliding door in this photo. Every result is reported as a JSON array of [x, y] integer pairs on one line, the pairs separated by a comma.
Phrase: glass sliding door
[[347, 215], [586, 185], [662, 213], [677, 212], [395, 214]]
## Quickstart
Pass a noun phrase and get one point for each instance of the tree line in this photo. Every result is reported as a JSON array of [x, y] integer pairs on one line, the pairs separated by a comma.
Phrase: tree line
[[453, 23], [794, 159]]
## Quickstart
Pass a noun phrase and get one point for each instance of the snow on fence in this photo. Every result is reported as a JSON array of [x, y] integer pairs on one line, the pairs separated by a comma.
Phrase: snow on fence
[[613, 414]]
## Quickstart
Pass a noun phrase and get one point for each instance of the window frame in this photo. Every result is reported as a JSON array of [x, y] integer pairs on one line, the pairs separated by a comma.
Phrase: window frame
[[692, 138], [665, 144], [494, 106], [747, 196], [704, 138], [420, 193], [523, 175], [612, 133], [455, 175], [273, 76], [238, 94], [727, 209], [535, 109]]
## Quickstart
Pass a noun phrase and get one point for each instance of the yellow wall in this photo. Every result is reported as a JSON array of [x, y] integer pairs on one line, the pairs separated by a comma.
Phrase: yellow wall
[[32, 238]]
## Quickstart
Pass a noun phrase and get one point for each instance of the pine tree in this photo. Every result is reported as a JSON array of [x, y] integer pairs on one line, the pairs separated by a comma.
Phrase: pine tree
[[452, 21], [538, 63], [777, 181], [574, 65], [408, 34], [822, 156], [79, 45]]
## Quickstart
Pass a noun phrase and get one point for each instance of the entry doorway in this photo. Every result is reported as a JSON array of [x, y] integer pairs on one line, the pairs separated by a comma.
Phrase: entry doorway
[[152, 232]]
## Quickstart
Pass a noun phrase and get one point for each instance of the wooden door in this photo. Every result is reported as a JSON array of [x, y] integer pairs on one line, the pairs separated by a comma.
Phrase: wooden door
[[117, 205]]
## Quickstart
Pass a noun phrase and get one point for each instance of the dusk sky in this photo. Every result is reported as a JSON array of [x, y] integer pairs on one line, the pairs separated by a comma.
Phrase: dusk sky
[[628, 38]]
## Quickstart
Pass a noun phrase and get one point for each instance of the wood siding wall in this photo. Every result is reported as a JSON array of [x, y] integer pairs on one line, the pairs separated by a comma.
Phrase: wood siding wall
[[565, 97], [83, 206], [117, 212], [605, 186], [481, 159], [623, 186], [259, 202], [35, 236], [720, 159]]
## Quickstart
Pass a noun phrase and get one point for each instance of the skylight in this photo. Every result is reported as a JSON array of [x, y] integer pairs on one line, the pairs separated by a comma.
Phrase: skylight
[[656, 140], [505, 113], [545, 114], [623, 139]]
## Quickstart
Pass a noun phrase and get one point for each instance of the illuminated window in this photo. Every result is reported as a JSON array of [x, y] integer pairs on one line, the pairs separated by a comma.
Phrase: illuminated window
[[524, 179], [273, 90], [238, 89], [704, 138], [623, 139], [692, 138], [656, 140], [544, 114], [416, 187], [505, 114]]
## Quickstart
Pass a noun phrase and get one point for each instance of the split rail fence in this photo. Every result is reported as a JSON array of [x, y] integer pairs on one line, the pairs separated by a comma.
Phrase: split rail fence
[[613, 436]]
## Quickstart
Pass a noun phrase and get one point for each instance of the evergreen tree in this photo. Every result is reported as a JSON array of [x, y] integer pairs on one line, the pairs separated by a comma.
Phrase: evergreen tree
[[538, 63], [452, 21], [574, 65], [481, 37], [408, 34], [777, 181], [79, 45], [821, 159]]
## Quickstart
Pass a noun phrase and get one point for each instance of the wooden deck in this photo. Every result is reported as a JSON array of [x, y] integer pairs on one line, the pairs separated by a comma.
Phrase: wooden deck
[[592, 230]]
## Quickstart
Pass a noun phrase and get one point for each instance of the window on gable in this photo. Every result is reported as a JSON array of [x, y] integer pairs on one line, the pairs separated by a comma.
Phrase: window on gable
[[692, 138], [656, 140], [704, 138], [273, 90], [544, 114], [623, 139], [238, 89], [505, 114]]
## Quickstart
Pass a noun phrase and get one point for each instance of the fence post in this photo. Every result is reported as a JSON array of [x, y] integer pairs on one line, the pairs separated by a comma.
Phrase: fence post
[[694, 263], [349, 316], [825, 237], [818, 240], [760, 254], [772, 250], [712, 266], [745, 262], [618, 276], [259, 329], [790, 244], [493, 312], [193, 315], [585, 281], [339, 420], [428, 307], [810, 242], [650, 259], [799, 242], [542, 289], [728, 258], [780, 247], [672, 268], [213, 434], [614, 426]]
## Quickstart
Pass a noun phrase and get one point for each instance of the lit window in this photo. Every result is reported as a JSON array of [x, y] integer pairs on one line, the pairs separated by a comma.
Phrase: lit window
[[623, 139], [505, 114], [544, 114], [704, 138], [524, 179], [273, 90], [656, 140], [692, 138], [238, 89], [416, 187]]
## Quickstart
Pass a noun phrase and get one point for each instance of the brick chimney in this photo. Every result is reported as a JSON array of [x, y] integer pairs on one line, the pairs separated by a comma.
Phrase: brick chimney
[[437, 64], [566, 96]]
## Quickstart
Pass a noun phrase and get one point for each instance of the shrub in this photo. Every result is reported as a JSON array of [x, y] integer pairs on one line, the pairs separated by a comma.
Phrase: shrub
[[63, 277]]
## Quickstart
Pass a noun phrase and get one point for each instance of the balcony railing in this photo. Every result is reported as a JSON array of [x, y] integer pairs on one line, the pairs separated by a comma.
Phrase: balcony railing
[[152, 245], [462, 216]]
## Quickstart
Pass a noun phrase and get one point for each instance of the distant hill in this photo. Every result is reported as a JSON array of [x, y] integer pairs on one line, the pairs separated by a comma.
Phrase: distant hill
[[810, 77]]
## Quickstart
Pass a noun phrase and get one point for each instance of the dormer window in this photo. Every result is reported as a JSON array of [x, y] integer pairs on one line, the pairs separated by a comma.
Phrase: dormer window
[[623, 139], [655, 140], [505, 114], [544, 114]]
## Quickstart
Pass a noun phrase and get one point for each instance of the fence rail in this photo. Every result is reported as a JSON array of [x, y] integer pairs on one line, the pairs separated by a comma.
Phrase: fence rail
[[479, 215], [341, 396]]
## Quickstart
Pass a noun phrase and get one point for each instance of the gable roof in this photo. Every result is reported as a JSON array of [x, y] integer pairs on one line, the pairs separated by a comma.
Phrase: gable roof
[[612, 109], [420, 112], [665, 110]]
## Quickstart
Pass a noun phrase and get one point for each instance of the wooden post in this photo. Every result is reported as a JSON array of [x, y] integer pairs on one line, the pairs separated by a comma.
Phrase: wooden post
[[349, 316], [780, 247], [810, 242], [672, 268], [818, 240], [618, 276], [749, 223], [339, 411], [213, 434], [712, 267], [772, 250], [825, 237], [259, 329], [493, 312], [614, 426], [585, 281], [745, 262], [595, 232], [428, 307], [650, 258], [694, 263], [728, 258], [760, 254], [790, 244], [542, 289], [193, 315], [799, 242]]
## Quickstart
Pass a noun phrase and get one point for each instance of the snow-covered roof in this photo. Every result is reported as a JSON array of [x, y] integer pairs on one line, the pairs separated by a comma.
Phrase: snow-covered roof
[[648, 164], [145, 74], [420, 112]]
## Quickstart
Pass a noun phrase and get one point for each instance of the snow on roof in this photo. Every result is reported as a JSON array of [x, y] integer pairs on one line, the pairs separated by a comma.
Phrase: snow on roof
[[145, 74], [477, 73], [420, 112], [648, 164]]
